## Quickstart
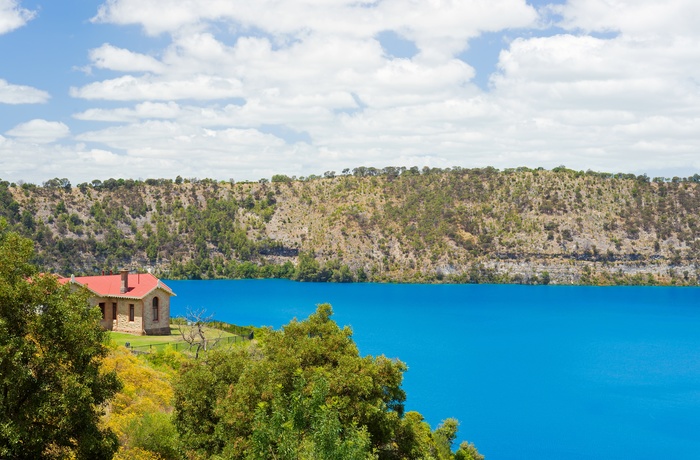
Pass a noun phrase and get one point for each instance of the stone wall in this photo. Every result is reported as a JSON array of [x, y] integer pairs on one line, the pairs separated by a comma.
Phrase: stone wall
[[162, 325], [143, 323], [122, 324]]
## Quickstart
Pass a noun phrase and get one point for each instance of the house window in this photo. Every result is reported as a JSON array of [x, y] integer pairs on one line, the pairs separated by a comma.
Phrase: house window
[[102, 309], [131, 312], [114, 310], [155, 309]]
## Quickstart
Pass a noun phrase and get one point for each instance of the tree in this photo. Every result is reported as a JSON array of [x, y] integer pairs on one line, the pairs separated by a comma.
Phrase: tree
[[58, 183], [139, 414], [301, 392], [52, 388], [301, 424], [194, 330], [307, 267], [467, 451], [281, 178]]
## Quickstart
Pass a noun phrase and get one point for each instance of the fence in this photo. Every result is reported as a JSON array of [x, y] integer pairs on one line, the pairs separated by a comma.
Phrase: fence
[[183, 346]]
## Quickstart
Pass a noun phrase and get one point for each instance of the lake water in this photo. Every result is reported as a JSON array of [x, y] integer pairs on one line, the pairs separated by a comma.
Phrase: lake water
[[531, 372]]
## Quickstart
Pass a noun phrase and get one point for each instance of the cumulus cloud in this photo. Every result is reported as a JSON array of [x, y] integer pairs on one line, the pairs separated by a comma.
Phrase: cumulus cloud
[[632, 17], [161, 137], [234, 89], [130, 88], [145, 110], [12, 16], [39, 131], [312, 58], [19, 94], [123, 60], [229, 153], [36, 163], [174, 148], [436, 27], [587, 72]]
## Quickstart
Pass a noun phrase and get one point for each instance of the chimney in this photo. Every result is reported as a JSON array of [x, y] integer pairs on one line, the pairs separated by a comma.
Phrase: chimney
[[125, 281]]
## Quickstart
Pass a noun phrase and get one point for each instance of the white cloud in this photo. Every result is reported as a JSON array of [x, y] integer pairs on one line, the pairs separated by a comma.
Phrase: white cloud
[[566, 71], [224, 154], [148, 87], [166, 149], [145, 110], [123, 60], [39, 131], [231, 72], [38, 162], [161, 137], [12, 16], [320, 58], [429, 23], [632, 17], [156, 17], [19, 94]]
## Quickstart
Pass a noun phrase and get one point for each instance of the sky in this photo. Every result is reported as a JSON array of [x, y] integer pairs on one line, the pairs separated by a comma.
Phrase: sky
[[234, 89]]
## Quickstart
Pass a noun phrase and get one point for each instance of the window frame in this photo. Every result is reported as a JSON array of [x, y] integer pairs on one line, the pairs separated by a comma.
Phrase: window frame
[[156, 308]]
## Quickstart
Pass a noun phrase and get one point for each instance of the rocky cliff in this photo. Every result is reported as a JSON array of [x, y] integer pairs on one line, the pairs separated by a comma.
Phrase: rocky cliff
[[393, 224]]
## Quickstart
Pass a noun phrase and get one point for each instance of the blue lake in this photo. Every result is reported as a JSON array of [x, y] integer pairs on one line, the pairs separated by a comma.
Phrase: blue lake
[[531, 372]]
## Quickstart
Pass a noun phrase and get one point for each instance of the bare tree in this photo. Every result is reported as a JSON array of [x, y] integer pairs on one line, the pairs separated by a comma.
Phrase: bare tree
[[194, 330]]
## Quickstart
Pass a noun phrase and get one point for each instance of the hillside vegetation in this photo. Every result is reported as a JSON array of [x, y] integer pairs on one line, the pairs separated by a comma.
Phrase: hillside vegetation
[[301, 392], [393, 224]]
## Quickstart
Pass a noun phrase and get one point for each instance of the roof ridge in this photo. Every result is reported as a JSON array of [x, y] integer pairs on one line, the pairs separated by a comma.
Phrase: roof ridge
[[110, 285]]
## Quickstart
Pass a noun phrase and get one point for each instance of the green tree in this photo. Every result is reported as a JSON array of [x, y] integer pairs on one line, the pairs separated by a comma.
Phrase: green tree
[[155, 433], [308, 267], [52, 389], [444, 436], [467, 451], [281, 178], [302, 424], [302, 392]]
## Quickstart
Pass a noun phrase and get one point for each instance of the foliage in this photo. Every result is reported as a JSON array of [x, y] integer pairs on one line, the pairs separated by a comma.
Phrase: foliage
[[141, 409], [389, 224], [301, 424], [51, 386], [154, 432], [467, 451], [302, 392], [231, 328]]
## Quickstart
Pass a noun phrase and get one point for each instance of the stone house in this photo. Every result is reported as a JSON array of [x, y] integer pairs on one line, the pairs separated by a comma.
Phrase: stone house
[[134, 303]]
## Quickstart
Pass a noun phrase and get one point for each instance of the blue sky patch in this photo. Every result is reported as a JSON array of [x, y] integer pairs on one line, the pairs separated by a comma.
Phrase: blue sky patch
[[396, 46]]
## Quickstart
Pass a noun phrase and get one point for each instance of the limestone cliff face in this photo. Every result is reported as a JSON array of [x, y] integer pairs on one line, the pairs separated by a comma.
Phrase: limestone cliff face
[[394, 224]]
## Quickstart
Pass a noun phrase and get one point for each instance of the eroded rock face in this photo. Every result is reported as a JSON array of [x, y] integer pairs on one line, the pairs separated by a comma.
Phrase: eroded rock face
[[457, 225]]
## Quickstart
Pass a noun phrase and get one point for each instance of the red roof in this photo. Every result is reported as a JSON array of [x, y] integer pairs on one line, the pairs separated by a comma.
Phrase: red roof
[[140, 285]]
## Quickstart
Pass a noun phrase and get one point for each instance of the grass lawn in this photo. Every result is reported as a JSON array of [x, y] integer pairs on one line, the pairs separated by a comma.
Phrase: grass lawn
[[160, 341]]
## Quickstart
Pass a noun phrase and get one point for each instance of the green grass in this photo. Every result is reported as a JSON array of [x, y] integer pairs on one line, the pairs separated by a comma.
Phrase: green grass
[[158, 342]]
